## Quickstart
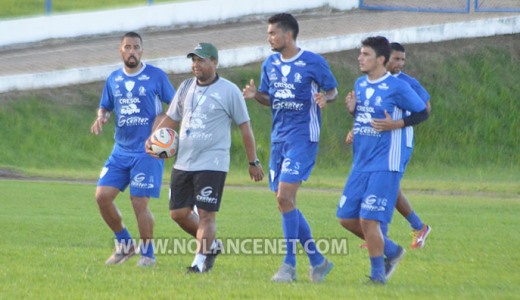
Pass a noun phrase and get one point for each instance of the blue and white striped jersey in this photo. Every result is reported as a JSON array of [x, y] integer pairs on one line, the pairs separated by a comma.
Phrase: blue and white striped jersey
[[375, 150], [291, 85], [135, 101]]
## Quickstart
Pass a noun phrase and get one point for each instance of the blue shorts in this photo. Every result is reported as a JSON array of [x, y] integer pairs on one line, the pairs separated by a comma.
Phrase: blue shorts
[[370, 195], [291, 162], [143, 173]]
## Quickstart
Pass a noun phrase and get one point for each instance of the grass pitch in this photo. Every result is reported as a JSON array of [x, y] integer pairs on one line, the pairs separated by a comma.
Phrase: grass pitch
[[54, 244]]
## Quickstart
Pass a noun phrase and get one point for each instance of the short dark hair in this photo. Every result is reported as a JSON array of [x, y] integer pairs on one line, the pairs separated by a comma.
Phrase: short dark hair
[[287, 22], [132, 34], [397, 47], [380, 45]]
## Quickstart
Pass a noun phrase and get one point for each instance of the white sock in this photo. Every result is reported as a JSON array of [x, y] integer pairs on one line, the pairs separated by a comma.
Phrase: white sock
[[199, 261], [213, 245]]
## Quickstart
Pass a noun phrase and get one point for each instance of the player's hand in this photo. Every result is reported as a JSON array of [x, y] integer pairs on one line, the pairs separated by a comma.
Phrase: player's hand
[[385, 124], [97, 126], [350, 137], [148, 148], [250, 90], [350, 102], [320, 99], [256, 173]]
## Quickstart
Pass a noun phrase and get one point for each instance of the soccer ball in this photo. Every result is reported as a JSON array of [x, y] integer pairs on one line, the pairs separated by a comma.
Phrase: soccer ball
[[164, 142]]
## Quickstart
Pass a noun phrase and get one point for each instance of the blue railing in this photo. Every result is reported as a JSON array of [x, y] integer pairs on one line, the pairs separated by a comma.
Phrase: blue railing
[[455, 6], [497, 6]]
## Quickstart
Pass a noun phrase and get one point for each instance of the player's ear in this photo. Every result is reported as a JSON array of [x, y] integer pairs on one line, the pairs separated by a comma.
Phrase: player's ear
[[381, 59]]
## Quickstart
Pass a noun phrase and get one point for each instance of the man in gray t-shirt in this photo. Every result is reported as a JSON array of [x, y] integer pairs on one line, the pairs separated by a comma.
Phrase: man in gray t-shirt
[[202, 111], [206, 113]]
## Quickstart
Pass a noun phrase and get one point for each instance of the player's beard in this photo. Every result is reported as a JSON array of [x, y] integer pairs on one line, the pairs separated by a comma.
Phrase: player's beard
[[278, 49], [132, 64]]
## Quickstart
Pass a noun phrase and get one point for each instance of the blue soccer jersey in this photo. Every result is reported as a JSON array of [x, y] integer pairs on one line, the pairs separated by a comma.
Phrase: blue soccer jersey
[[291, 85], [381, 150], [135, 100], [421, 91], [416, 86]]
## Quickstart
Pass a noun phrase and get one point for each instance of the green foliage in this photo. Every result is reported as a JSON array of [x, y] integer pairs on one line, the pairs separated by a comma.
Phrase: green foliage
[[473, 125], [12, 8], [475, 109], [54, 239]]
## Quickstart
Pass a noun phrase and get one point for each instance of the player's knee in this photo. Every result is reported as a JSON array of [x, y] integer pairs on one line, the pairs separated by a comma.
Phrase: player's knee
[[285, 203], [179, 215], [369, 225], [103, 200], [206, 217], [349, 224]]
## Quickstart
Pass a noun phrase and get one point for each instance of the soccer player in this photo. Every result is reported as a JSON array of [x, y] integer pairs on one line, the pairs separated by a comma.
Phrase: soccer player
[[370, 193], [395, 65], [205, 108], [133, 94], [296, 84]]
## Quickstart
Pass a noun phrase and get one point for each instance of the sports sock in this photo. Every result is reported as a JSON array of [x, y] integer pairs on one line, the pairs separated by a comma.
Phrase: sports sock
[[305, 237], [123, 236], [415, 221], [377, 268], [213, 245], [199, 261], [391, 248], [290, 225], [147, 249]]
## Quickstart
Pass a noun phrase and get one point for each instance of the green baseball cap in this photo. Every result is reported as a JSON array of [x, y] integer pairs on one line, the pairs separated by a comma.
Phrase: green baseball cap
[[204, 50]]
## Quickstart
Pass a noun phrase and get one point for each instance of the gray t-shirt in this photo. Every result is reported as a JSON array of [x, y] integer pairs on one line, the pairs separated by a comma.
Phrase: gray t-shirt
[[205, 114]]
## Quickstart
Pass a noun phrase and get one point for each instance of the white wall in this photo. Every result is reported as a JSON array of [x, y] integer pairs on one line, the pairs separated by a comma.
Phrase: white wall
[[229, 57], [157, 15]]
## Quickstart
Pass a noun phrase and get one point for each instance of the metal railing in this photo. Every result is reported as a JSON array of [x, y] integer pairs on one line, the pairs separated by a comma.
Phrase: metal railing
[[497, 6], [442, 6]]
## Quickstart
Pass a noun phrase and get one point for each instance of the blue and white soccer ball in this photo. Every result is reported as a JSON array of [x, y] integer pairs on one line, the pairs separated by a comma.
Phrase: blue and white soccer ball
[[164, 142]]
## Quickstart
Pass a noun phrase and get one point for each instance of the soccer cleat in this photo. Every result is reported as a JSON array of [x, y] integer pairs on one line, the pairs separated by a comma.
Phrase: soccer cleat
[[419, 237], [375, 282], [121, 254], [146, 261], [318, 273], [193, 270], [286, 273], [211, 257], [391, 263]]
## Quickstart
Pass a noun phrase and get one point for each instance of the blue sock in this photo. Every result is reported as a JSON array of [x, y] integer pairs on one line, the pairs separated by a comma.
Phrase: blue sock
[[391, 248], [147, 249], [290, 232], [377, 268], [123, 236], [384, 228], [415, 221], [305, 236]]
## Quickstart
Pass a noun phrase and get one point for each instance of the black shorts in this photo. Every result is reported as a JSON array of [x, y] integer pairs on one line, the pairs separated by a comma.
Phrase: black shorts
[[201, 188]]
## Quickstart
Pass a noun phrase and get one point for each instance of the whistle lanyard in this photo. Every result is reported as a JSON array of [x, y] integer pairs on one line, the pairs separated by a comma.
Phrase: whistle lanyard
[[194, 106]]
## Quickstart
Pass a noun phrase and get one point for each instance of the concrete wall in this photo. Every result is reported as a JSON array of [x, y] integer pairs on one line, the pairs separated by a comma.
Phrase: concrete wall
[[82, 24], [177, 14]]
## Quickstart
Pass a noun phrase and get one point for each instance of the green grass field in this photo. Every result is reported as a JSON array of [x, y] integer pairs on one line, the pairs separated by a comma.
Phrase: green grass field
[[54, 244], [463, 180], [28, 8]]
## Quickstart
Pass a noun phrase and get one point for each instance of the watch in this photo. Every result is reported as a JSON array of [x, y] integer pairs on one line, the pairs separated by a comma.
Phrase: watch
[[254, 163]]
